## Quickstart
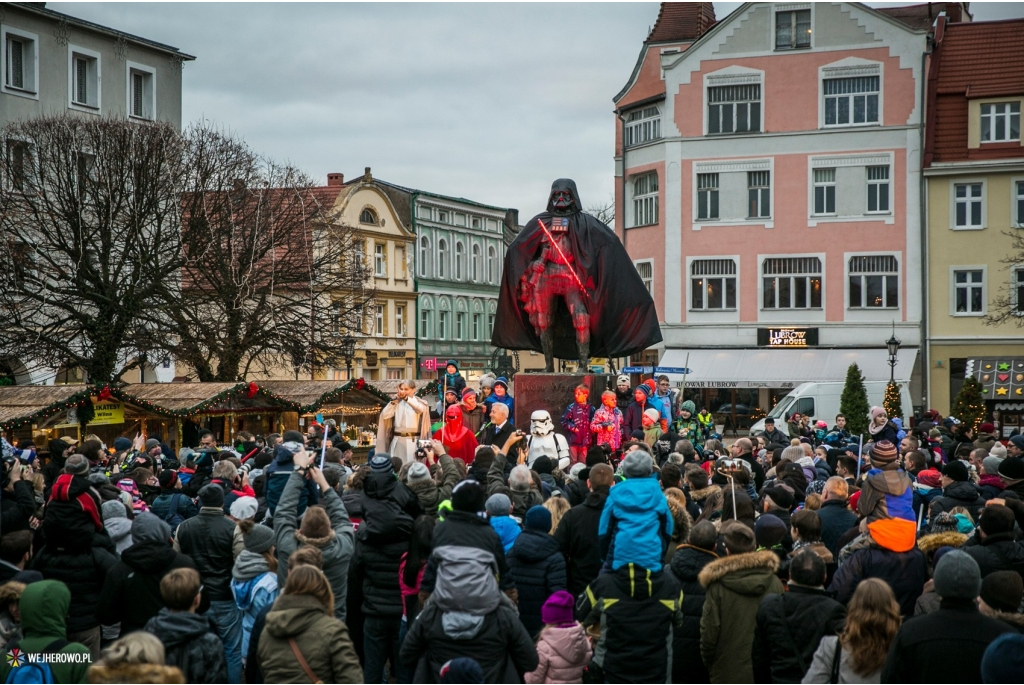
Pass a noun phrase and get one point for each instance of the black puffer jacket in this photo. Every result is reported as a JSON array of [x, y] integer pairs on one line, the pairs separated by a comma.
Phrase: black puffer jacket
[[131, 593], [789, 628], [209, 539], [998, 552], [538, 569], [959, 494], [191, 644], [687, 666], [576, 492], [83, 570], [389, 509], [463, 529], [578, 539], [18, 507]]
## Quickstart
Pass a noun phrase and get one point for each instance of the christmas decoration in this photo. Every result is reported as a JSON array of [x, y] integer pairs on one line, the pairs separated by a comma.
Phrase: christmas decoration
[[853, 404], [360, 383], [892, 401], [104, 394], [252, 390], [969, 406]]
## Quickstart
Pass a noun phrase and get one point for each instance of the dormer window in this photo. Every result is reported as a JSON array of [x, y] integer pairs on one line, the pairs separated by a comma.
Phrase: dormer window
[[368, 216], [642, 125]]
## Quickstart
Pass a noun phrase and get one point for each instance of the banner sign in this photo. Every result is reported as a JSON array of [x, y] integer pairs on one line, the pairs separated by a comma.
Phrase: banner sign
[[787, 337]]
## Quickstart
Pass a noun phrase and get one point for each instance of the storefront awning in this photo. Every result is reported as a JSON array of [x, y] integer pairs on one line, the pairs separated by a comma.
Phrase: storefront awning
[[781, 368]]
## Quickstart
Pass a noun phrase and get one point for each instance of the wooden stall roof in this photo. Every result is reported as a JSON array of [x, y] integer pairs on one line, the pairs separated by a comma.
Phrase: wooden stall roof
[[311, 396], [185, 399], [20, 404]]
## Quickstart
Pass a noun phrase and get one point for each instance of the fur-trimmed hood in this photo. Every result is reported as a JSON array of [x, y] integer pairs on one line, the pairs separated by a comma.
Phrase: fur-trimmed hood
[[930, 543], [748, 574], [11, 592], [135, 673], [1015, 620], [680, 519], [316, 542], [703, 493]]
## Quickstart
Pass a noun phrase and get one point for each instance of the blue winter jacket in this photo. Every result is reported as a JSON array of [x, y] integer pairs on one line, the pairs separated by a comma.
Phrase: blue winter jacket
[[507, 529], [636, 524]]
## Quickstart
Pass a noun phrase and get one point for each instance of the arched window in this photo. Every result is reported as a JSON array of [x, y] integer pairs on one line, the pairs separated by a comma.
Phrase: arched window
[[460, 261], [492, 265], [426, 316], [442, 258], [443, 320], [475, 267], [368, 216], [424, 255]]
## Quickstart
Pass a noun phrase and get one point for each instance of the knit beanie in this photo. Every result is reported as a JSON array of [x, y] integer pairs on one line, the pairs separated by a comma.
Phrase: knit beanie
[[168, 478], [930, 478], [244, 508], [623, 378], [1003, 590], [998, 450], [1018, 440], [645, 389], [418, 472], [122, 444], [956, 471], [152, 443], [769, 530], [883, 453], [259, 539], [558, 609], [957, 576], [113, 509], [876, 412], [1004, 659], [637, 464], [149, 527], [467, 392], [381, 463], [77, 465], [991, 465], [652, 414], [943, 522], [538, 518], [574, 472], [542, 464], [1011, 468], [469, 496], [211, 495], [498, 504]]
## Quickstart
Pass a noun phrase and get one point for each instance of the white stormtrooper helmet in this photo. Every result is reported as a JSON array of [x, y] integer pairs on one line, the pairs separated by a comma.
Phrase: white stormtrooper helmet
[[540, 423]]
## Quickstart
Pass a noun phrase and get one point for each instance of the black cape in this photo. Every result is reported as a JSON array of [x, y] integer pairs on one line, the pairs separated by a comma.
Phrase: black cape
[[623, 320]]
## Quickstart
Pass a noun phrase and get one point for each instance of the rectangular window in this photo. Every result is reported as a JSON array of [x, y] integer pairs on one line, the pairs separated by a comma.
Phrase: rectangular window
[[967, 199], [707, 196], [425, 323], [20, 166], [878, 189], [1017, 290], [460, 326], [793, 30], [336, 319], [874, 282], [824, 191], [1000, 122], [141, 92], [84, 77], [851, 101], [378, 320], [759, 193], [792, 283], [642, 125], [15, 63], [399, 321], [646, 271], [19, 59], [477, 323], [442, 216], [490, 324], [969, 292], [734, 109], [645, 199], [1019, 203], [712, 284], [442, 325], [380, 261]]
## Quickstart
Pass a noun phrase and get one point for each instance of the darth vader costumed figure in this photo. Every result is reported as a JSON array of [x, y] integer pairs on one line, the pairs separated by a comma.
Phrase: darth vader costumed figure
[[569, 289]]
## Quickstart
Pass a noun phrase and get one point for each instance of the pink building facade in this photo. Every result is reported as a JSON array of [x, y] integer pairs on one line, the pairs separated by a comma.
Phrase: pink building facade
[[768, 179]]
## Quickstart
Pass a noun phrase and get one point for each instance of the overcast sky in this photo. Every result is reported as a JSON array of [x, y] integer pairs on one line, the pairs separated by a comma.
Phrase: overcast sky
[[486, 101]]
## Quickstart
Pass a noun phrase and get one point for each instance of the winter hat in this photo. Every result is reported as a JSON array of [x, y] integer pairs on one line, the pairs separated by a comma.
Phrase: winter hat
[[558, 609], [637, 464], [461, 670], [1003, 590], [381, 463], [451, 362], [998, 450], [487, 381], [574, 472], [1004, 659], [652, 414], [167, 478], [469, 496], [884, 452], [467, 392], [1018, 440], [623, 378], [149, 527], [501, 381], [821, 424], [964, 524], [876, 412], [259, 539], [986, 428], [1012, 468], [418, 472], [957, 576], [113, 509], [244, 508], [151, 443], [498, 504], [941, 552], [991, 465], [538, 518], [646, 389], [542, 464], [122, 444], [956, 471], [99, 478], [783, 497], [77, 465], [211, 495], [930, 477], [769, 531]]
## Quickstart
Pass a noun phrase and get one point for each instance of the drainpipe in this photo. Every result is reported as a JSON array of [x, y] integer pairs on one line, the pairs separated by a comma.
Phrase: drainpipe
[[925, 270], [415, 281], [622, 127]]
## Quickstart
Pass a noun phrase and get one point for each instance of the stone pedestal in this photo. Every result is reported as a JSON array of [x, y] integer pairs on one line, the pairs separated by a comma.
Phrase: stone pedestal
[[553, 392]]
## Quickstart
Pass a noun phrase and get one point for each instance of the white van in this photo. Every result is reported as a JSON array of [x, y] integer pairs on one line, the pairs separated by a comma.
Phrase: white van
[[820, 401]]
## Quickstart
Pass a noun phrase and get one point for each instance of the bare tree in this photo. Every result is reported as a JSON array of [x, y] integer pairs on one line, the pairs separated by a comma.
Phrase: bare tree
[[1008, 305], [605, 213], [89, 229], [270, 278]]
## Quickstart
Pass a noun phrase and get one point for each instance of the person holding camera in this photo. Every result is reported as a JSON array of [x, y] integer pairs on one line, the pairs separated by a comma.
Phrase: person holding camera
[[18, 504]]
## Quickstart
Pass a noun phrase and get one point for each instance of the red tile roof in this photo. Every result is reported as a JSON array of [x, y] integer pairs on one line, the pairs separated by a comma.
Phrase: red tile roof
[[923, 16], [679, 21]]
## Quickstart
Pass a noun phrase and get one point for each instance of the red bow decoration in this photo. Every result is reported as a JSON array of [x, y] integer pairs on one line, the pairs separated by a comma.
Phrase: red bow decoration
[[104, 394], [253, 389], [360, 383]]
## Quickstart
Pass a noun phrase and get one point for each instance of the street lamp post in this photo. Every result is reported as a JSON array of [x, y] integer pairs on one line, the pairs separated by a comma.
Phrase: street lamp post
[[893, 343], [348, 349]]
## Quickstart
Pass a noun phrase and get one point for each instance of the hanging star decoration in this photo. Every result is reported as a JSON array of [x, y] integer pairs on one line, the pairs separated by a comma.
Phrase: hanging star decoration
[[1002, 391]]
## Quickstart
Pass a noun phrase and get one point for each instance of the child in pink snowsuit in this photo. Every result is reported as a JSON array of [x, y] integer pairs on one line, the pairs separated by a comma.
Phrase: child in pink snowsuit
[[607, 422]]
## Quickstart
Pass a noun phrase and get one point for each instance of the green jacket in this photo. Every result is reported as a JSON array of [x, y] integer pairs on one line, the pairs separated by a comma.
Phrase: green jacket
[[44, 611], [322, 639], [735, 586]]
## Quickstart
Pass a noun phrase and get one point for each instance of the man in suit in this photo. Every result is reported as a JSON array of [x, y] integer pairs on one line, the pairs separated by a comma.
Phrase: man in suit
[[499, 429]]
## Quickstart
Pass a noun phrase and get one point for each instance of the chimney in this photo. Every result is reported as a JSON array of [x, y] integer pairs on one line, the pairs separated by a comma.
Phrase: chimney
[[335, 179], [367, 176]]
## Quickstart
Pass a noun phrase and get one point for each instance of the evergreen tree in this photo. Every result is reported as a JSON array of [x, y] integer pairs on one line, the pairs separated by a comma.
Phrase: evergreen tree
[[969, 406], [854, 402], [892, 402]]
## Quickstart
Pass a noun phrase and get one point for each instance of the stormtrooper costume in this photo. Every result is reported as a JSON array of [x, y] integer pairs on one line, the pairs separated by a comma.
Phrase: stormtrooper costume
[[544, 440]]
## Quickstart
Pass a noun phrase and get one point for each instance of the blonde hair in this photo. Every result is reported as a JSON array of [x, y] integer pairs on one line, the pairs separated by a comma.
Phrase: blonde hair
[[557, 506], [812, 502], [309, 580], [872, 619], [139, 647]]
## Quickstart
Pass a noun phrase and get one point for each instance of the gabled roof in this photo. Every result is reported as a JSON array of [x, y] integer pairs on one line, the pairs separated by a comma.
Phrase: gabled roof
[[438, 196], [983, 59], [923, 16], [682, 21]]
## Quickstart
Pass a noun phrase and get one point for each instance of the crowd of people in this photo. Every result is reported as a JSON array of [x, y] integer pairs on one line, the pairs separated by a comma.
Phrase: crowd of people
[[650, 552]]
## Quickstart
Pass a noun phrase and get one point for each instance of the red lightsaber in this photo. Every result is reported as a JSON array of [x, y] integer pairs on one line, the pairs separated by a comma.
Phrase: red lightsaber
[[564, 259]]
